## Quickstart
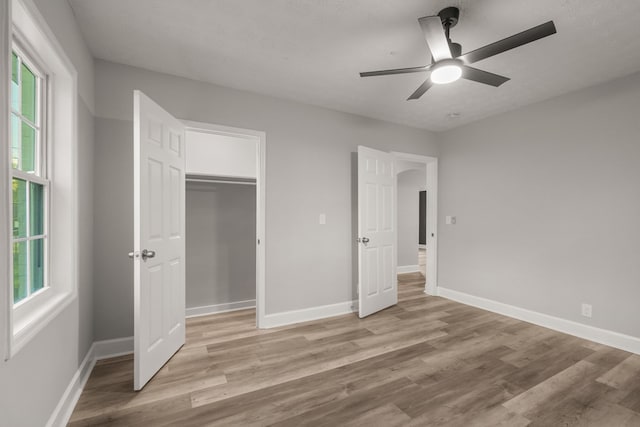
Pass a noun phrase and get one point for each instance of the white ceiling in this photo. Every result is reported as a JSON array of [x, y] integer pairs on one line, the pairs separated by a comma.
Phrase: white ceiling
[[312, 50]]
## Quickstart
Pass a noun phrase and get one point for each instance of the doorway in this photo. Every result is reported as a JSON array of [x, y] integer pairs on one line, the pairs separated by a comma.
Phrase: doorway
[[411, 180], [161, 148], [225, 185], [377, 226], [417, 182]]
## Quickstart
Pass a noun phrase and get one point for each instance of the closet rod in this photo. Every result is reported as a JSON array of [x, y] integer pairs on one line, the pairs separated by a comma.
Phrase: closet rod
[[218, 181]]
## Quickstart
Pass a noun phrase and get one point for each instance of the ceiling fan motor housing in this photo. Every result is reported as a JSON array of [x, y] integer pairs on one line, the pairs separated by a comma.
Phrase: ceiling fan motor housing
[[449, 16]]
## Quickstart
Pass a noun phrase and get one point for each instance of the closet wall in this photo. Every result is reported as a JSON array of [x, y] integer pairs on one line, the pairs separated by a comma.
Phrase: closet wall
[[220, 243]]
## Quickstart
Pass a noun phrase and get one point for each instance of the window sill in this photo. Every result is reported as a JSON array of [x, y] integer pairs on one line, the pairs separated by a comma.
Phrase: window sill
[[33, 321]]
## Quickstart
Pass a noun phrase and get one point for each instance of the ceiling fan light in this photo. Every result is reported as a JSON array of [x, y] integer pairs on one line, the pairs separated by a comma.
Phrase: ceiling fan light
[[447, 71]]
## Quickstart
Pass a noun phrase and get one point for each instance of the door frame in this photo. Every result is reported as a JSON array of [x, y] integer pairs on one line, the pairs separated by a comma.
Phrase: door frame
[[260, 202], [431, 184]]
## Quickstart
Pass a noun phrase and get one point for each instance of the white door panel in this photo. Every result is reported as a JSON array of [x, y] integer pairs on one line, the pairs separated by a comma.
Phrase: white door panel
[[378, 283], [159, 226]]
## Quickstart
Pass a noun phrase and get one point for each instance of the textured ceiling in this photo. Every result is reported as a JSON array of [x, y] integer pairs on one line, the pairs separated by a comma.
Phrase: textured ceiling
[[312, 50]]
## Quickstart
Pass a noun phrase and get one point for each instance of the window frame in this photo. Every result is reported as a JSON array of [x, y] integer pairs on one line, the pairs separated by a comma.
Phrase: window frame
[[39, 176], [19, 326], [5, 114]]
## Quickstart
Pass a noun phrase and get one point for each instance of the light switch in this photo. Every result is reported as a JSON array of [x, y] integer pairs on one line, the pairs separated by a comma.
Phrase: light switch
[[322, 219], [450, 220]]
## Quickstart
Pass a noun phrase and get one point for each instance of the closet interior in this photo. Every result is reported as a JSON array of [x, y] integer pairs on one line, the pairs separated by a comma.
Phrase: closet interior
[[220, 225]]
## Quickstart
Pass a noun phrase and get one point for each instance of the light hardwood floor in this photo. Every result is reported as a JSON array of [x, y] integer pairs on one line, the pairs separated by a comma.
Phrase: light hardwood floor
[[427, 361]]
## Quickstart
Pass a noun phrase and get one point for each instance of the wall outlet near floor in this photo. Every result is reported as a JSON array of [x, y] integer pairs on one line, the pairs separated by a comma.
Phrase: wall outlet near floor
[[586, 310]]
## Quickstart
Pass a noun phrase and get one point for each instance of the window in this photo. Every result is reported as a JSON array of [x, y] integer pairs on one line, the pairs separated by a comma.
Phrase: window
[[38, 179], [29, 186]]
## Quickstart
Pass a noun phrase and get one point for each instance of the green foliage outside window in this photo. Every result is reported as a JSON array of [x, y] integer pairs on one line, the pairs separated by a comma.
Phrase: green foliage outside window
[[28, 197]]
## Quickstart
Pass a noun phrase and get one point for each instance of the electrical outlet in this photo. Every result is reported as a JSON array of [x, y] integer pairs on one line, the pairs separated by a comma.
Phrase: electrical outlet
[[586, 310]]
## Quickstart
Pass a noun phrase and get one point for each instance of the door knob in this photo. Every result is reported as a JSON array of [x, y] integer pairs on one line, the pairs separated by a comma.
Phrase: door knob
[[365, 240], [147, 254]]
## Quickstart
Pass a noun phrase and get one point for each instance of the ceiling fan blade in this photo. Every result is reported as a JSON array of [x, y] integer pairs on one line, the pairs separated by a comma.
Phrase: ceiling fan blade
[[395, 71], [421, 90], [436, 39], [481, 76], [527, 36]]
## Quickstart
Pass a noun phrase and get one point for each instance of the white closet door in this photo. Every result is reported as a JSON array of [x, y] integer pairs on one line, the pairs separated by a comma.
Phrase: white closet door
[[159, 229]]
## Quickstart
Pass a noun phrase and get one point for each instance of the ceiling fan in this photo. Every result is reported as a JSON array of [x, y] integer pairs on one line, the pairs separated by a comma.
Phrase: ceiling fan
[[448, 64]]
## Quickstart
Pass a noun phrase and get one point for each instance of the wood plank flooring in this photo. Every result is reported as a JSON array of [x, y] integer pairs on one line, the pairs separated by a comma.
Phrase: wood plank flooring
[[425, 362]]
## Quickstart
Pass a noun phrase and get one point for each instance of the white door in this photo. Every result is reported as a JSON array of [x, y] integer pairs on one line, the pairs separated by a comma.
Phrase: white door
[[159, 229], [377, 234]]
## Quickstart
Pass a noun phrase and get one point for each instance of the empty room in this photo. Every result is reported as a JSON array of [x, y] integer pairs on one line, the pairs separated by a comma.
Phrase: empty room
[[320, 213]]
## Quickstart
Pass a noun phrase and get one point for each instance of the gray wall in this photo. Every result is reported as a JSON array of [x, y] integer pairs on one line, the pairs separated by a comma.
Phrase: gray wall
[[548, 207], [410, 183], [113, 229], [32, 382], [220, 243], [310, 170]]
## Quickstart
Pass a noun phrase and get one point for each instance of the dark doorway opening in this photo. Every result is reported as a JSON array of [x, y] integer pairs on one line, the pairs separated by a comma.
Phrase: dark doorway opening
[[422, 227]]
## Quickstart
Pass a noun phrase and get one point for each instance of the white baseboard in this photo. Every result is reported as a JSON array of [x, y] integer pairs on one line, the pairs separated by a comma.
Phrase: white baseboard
[[98, 350], [62, 413], [220, 308], [591, 333], [113, 348], [401, 269], [307, 314], [422, 246]]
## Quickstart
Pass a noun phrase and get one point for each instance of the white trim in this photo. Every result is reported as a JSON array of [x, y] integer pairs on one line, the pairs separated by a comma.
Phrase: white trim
[[62, 413], [432, 228], [113, 348], [38, 319], [6, 328], [592, 333], [313, 313], [98, 350], [220, 308], [45, 30], [431, 186], [402, 269], [260, 204], [422, 246]]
